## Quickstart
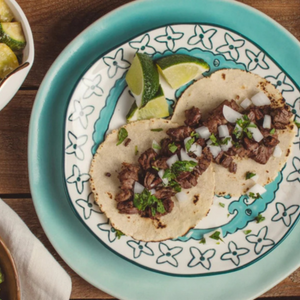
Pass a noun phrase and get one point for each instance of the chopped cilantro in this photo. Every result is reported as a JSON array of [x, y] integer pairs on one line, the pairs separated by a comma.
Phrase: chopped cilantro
[[222, 204], [157, 129], [259, 218], [216, 236], [272, 131], [236, 144], [172, 147], [225, 141], [214, 140], [146, 200], [156, 146], [228, 215], [247, 231], [255, 196], [122, 135], [119, 233], [183, 166], [155, 168], [244, 124], [175, 185], [202, 241], [136, 151], [171, 179], [189, 144], [250, 175], [195, 134]]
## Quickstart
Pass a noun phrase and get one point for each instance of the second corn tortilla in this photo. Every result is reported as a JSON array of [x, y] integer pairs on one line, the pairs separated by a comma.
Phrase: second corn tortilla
[[234, 84]]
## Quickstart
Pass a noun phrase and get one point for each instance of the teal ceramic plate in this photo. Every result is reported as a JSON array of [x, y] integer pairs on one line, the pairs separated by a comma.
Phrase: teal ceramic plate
[[77, 103]]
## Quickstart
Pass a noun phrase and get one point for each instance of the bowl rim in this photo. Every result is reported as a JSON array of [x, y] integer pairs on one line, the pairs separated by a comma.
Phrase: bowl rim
[[13, 265]]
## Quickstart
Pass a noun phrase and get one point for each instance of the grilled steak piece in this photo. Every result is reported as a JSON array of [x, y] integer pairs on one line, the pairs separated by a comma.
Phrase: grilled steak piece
[[201, 142], [233, 167], [258, 114], [151, 181], [160, 163], [281, 117], [164, 193], [179, 133], [165, 151], [270, 141], [126, 207], [203, 162], [262, 154], [192, 117], [188, 180], [124, 195], [219, 157], [250, 145], [216, 117], [168, 205], [146, 158], [226, 161], [128, 175]]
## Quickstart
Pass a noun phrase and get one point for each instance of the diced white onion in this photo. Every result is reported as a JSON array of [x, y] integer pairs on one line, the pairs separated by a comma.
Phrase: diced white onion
[[181, 196], [277, 151], [152, 191], [215, 150], [223, 131], [185, 156], [227, 146], [256, 134], [257, 188], [155, 145], [255, 178], [196, 149], [161, 175], [172, 160], [209, 142], [230, 114], [138, 188], [260, 99], [246, 103], [203, 132], [267, 122]]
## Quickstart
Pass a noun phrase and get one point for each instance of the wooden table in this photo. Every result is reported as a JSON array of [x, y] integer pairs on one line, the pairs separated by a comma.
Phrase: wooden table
[[54, 24]]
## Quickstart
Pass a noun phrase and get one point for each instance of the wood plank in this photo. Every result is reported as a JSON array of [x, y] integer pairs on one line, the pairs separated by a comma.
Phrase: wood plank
[[13, 140], [290, 287], [56, 23]]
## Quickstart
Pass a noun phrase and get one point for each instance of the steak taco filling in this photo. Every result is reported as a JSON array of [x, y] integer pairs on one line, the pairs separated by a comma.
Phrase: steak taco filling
[[170, 165]]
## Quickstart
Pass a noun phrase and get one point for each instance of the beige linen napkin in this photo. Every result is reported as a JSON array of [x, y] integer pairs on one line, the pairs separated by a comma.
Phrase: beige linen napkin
[[41, 277]]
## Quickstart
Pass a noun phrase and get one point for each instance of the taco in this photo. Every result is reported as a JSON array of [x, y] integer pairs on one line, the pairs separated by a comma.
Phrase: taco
[[147, 185], [246, 124]]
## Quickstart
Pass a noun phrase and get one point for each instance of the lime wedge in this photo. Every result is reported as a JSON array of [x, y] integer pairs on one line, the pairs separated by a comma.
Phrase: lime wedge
[[142, 79], [133, 113], [179, 69], [155, 108]]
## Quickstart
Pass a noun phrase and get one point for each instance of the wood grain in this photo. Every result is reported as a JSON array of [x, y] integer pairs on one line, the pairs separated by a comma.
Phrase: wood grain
[[54, 24]]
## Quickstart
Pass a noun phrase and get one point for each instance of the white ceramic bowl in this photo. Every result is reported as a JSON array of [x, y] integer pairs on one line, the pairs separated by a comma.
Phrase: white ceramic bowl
[[11, 85]]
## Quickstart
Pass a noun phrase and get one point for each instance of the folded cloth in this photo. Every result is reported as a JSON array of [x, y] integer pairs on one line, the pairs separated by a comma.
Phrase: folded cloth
[[40, 275]]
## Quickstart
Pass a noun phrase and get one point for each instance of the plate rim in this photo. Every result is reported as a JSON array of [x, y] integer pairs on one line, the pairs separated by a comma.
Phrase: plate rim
[[38, 107]]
